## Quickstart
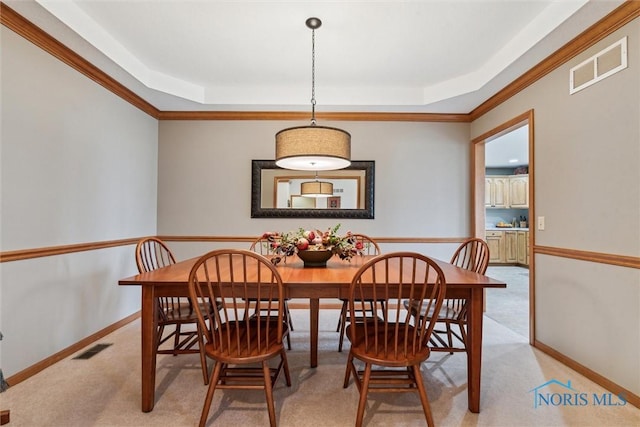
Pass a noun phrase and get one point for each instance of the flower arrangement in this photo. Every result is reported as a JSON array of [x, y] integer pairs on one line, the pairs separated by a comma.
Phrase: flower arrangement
[[287, 244]]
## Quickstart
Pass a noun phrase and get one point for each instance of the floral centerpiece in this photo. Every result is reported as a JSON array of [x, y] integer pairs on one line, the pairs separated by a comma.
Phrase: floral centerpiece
[[325, 244]]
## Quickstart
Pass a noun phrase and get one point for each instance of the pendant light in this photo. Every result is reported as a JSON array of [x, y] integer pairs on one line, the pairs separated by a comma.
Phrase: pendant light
[[313, 147], [316, 188]]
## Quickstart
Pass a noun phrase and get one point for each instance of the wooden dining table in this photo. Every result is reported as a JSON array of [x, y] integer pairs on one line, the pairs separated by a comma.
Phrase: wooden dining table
[[313, 284]]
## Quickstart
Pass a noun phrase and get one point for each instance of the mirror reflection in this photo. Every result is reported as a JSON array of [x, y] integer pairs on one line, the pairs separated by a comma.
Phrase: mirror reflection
[[280, 192], [282, 189]]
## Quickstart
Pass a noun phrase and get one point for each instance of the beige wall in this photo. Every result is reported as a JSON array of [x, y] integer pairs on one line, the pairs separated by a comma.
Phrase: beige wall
[[587, 186], [78, 165], [421, 178]]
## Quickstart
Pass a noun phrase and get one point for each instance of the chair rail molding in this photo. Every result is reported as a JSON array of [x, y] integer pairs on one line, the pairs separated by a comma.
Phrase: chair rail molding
[[603, 258], [23, 254]]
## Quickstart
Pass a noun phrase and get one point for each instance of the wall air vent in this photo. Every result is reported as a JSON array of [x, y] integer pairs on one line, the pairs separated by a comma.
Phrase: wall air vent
[[600, 66]]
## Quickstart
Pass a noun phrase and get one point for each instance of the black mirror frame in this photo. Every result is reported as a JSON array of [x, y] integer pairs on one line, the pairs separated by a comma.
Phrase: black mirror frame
[[259, 212]]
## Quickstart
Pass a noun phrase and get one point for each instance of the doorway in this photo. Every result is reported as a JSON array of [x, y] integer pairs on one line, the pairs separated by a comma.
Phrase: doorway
[[503, 210]]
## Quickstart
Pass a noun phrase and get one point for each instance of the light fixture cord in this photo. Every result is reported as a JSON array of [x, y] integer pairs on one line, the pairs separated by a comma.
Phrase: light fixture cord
[[313, 77]]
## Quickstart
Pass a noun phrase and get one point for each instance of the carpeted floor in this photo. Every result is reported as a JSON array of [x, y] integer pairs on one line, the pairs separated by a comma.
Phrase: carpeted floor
[[510, 306], [105, 389]]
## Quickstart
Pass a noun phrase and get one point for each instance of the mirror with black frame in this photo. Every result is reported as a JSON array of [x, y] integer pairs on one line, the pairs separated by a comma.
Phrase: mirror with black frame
[[276, 192]]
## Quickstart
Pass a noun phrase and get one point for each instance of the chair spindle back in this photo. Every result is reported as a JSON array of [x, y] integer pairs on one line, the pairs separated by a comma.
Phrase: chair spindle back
[[390, 279], [473, 255], [233, 278], [151, 254]]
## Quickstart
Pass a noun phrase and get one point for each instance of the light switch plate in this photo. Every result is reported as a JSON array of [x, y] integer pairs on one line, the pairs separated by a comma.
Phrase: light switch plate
[[540, 223]]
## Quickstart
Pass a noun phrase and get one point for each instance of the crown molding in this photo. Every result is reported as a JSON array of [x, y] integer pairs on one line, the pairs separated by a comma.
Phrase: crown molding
[[624, 14], [621, 16], [298, 115], [29, 31]]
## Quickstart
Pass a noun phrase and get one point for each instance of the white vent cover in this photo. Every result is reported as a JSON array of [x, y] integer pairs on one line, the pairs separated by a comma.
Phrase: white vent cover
[[600, 66]]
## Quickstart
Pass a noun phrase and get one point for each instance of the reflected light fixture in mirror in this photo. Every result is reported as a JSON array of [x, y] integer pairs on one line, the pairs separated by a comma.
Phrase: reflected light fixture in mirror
[[313, 147], [316, 188]]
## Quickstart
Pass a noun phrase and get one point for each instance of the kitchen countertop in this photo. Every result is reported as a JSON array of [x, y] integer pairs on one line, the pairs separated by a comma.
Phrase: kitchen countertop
[[506, 229]]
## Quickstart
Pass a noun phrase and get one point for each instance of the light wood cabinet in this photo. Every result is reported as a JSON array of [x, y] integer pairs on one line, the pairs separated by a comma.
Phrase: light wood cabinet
[[496, 193], [511, 246], [519, 191], [508, 247], [495, 241], [488, 183], [523, 247], [506, 191]]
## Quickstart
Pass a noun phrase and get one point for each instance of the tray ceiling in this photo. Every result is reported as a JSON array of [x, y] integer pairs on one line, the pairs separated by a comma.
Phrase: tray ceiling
[[392, 56]]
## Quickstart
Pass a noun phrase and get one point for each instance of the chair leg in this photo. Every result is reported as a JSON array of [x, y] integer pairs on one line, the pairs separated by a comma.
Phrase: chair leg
[[289, 321], [423, 395], [288, 338], [343, 315], [289, 318], [347, 373], [285, 366], [268, 390], [373, 306], [463, 334], [363, 394], [176, 342], [213, 382], [203, 357], [449, 336], [159, 336], [343, 327]]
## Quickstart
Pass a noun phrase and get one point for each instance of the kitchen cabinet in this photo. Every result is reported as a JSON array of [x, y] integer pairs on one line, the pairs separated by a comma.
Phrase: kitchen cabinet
[[508, 247], [504, 192], [511, 247], [519, 191], [496, 193], [495, 241], [523, 247]]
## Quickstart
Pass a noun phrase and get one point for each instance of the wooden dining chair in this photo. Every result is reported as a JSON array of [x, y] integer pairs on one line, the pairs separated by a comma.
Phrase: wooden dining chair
[[241, 345], [369, 247], [264, 247], [393, 344], [473, 255], [173, 312]]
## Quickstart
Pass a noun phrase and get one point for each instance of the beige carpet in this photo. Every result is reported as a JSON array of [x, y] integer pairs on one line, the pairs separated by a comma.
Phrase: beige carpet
[[105, 390], [510, 306]]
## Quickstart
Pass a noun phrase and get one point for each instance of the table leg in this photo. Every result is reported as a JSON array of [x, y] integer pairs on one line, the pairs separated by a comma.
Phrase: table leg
[[474, 348], [5, 417], [149, 328], [314, 310]]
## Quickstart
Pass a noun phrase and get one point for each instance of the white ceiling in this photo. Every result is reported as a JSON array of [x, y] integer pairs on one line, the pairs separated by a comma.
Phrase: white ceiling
[[509, 150], [392, 56]]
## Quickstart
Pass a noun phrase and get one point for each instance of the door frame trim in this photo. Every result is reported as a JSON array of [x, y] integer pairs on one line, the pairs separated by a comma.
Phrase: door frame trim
[[477, 195]]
